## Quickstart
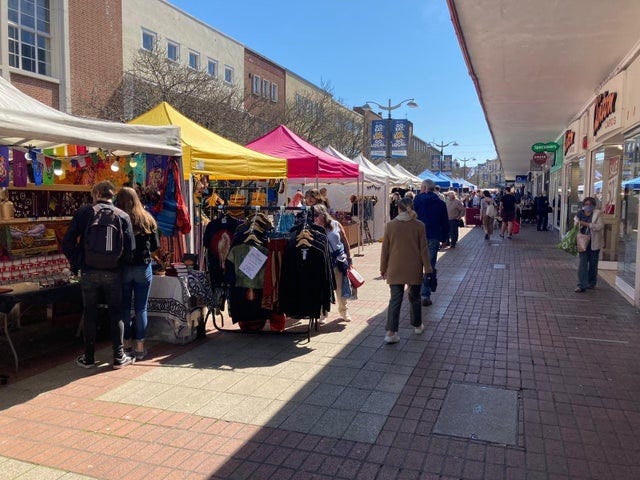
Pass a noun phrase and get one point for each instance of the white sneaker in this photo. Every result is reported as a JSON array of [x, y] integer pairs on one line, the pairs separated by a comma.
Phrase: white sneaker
[[391, 338], [418, 330]]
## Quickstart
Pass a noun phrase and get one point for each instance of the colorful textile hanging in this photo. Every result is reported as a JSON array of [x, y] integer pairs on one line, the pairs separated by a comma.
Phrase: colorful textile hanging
[[4, 166], [38, 169], [19, 169], [47, 173]]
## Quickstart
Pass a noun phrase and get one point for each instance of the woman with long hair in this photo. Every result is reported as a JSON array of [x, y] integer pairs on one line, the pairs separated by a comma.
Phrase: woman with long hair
[[341, 256], [137, 274]]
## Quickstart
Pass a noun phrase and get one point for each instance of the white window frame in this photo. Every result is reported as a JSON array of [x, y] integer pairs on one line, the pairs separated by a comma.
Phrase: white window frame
[[196, 55], [171, 43], [265, 88], [41, 38], [256, 85], [274, 92], [154, 39], [210, 62], [230, 71]]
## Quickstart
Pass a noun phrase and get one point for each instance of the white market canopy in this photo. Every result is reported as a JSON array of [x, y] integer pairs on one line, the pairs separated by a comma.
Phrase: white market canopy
[[26, 122], [367, 175], [414, 178], [397, 178], [374, 174]]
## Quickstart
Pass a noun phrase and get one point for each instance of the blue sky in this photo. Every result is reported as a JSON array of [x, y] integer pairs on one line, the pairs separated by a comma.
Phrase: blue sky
[[367, 50]]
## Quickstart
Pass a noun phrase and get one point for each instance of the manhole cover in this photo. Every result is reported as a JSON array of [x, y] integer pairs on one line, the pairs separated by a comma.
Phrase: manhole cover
[[499, 266], [479, 412]]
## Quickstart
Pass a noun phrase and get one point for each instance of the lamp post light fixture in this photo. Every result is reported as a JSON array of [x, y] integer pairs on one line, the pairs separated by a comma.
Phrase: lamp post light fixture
[[441, 146], [411, 103], [464, 170]]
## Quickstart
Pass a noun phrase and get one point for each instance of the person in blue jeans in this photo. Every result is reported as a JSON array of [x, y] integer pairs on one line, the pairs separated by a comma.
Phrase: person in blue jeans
[[99, 284], [137, 274], [431, 211], [589, 221]]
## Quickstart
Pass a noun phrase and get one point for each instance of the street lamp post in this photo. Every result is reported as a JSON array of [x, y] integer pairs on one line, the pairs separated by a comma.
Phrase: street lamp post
[[441, 146], [465, 160], [411, 103]]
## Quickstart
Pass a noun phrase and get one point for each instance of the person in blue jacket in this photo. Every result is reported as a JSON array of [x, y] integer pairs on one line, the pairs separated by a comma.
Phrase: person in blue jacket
[[431, 211]]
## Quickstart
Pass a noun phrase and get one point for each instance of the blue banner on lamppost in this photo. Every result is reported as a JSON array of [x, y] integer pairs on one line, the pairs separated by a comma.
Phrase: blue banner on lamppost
[[447, 164], [435, 163], [378, 139], [400, 137]]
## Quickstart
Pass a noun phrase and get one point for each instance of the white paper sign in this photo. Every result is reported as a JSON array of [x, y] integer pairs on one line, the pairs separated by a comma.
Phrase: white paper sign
[[253, 262]]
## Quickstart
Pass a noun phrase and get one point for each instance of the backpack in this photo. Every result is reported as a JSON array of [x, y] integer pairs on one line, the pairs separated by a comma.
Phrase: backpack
[[103, 238]]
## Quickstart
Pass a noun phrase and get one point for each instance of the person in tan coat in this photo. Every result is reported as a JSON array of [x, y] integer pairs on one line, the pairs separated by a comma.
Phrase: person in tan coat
[[404, 259]]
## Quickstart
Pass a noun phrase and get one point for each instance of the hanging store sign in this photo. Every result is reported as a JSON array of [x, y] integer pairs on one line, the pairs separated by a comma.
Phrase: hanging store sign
[[539, 158], [603, 112], [569, 140], [540, 147]]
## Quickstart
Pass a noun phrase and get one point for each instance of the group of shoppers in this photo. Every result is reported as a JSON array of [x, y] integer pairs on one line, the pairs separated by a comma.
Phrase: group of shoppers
[[110, 244]]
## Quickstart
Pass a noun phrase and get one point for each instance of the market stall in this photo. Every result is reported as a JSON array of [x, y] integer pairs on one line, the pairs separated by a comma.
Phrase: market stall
[[48, 162]]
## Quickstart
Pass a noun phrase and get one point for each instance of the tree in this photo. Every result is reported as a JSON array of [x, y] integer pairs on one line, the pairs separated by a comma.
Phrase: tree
[[153, 78]]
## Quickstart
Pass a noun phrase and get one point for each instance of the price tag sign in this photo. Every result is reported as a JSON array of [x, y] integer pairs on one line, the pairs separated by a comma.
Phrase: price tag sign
[[253, 262]]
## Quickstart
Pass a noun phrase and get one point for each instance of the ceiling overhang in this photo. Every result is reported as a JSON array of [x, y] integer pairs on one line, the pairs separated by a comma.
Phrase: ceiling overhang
[[536, 64]]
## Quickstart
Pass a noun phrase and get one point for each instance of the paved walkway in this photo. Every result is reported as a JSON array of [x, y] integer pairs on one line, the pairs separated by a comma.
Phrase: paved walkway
[[515, 377]]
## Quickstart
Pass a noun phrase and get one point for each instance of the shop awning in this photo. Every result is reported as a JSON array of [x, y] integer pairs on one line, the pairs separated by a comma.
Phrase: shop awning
[[304, 160], [208, 153], [26, 122]]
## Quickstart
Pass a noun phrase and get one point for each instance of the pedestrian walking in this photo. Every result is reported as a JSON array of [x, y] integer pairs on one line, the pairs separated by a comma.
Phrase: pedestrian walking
[[137, 274], [455, 213], [488, 213], [340, 256], [433, 213], [589, 221], [98, 241], [404, 260], [507, 212], [541, 205]]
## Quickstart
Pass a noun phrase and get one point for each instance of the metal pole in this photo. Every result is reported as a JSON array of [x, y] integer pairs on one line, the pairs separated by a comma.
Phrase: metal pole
[[389, 133]]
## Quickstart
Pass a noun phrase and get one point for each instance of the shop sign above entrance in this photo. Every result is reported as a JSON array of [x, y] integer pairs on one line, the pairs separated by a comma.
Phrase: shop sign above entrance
[[539, 158], [540, 147]]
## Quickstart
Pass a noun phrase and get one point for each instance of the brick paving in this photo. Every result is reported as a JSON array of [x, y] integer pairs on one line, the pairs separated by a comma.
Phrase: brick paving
[[346, 406]]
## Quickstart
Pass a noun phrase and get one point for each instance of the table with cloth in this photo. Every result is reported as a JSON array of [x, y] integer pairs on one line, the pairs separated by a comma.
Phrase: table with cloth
[[177, 307]]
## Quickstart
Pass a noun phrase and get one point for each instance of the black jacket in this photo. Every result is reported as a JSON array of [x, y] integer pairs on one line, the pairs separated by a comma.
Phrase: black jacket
[[73, 241]]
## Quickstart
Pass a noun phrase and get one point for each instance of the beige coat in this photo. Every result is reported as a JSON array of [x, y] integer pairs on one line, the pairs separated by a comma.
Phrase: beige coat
[[597, 230], [455, 209], [405, 256]]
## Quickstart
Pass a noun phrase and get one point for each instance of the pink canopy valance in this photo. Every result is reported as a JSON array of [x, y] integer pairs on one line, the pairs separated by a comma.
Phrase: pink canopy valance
[[304, 160]]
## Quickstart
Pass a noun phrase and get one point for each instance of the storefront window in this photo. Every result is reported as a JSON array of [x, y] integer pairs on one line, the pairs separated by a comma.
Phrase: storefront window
[[575, 189], [630, 197], [596, 177]]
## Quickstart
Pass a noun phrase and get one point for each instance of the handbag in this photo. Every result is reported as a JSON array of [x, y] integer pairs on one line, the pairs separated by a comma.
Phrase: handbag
[[355, 278], [582, 241], [516, 227], [460, 223], [491, 210]]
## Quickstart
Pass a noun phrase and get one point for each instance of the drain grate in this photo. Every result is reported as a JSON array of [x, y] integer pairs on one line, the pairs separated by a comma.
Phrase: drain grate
[[480, 413], [499, 266]]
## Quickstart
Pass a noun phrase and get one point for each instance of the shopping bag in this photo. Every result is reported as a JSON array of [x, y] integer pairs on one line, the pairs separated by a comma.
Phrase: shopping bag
[[568, 242], [516, 227], [355, 278], [582, 241]]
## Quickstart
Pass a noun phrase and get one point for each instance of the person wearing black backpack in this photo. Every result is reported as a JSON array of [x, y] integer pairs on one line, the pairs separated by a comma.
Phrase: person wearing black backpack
[[97, 243]]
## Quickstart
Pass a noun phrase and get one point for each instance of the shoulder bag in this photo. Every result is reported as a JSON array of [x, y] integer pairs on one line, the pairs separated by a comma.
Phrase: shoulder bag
[[583, 240]]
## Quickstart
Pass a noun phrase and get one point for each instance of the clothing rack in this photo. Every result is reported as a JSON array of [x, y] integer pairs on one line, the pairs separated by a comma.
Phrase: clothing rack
[[217, 317]]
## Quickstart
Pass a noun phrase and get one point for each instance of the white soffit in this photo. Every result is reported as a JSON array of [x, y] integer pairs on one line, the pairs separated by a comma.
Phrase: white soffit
[[537, 62]]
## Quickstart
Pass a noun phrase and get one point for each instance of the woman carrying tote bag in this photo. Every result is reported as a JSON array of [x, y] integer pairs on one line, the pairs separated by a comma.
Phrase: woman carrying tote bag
[[590, 241]]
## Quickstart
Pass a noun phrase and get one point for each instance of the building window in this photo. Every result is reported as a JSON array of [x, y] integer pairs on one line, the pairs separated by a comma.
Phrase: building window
[[30, 35], [148, 40], [194, 60], [256, 85], [228, 74], [274, 92], [212, 68], [265, 88], [173, 51]]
